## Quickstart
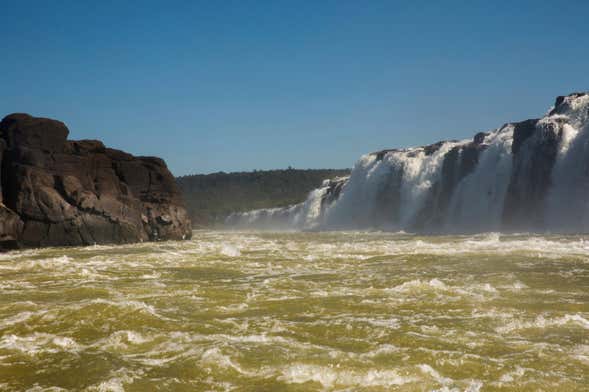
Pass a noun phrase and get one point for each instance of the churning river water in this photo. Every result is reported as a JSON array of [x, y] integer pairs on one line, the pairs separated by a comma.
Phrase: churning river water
[[333, 311]]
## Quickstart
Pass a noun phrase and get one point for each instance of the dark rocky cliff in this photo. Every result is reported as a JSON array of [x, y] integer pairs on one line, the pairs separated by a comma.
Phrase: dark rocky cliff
[[56, 192]]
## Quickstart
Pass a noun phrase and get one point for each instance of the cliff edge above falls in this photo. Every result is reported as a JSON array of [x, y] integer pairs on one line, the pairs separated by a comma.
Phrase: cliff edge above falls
[[58, 192]]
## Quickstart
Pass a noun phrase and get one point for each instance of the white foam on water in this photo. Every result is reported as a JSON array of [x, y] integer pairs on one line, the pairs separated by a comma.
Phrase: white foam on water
[[430, 371], [234, 307], [417, 285], [473, 386], [477, 292], [515, 286], [581, 353], [53, 264], [126, 304], [117, 381], [230, 251], [491, 244], [383, 349], [15, 255], [543, 322], [398, 305], [122, 340], [390, 323], [448, 384], [513, 375], [38, 388], [214, 357], [330, 376], [37, 343], [18, 318]]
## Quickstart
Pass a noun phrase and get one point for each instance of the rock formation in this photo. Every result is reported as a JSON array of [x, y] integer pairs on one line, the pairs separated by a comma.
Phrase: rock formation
[[56, 192]]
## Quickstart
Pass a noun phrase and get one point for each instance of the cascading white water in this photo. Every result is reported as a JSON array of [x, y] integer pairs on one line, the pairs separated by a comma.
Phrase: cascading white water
[[414, 171], [567, 204], [301, 216], [477, 202], [528, 176]]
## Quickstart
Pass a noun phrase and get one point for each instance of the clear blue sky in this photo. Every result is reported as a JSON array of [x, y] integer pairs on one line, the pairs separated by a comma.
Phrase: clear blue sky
[[223, 85]]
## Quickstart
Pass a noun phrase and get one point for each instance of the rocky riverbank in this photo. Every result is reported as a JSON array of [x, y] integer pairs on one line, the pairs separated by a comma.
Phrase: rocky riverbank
[[58, 192]]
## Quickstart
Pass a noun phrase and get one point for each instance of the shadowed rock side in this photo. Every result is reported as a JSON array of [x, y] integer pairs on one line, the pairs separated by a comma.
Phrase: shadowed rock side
[[57, 192], [531, 175]]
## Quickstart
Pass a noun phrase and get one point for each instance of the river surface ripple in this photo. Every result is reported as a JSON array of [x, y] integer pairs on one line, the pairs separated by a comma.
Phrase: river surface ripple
[[333, 311]]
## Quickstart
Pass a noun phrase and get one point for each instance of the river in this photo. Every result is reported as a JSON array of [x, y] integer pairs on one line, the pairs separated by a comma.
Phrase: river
[[293, 311]]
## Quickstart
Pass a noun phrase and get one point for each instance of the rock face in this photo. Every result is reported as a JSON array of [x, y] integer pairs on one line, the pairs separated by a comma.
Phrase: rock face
[[56, 192]]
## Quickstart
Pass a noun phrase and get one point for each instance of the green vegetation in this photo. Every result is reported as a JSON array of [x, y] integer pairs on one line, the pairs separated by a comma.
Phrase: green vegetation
[[211, 197]]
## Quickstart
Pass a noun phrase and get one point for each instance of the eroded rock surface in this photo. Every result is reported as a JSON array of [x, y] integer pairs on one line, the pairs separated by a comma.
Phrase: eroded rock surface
[[57, 192]]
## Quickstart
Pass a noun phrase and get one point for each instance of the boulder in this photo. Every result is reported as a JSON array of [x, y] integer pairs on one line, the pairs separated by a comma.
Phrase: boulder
[[57, 192]]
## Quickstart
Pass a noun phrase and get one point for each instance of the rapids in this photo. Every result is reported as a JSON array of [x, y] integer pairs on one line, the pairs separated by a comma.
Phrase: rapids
[[288, 311]]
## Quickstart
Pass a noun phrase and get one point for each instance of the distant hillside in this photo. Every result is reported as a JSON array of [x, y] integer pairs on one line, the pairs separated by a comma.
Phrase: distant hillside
[[211, 197]]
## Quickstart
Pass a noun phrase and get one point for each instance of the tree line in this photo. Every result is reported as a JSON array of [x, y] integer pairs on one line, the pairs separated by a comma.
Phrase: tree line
[[210, 198]]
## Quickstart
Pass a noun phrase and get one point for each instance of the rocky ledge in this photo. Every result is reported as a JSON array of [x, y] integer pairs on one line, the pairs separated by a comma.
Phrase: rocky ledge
[[58, 192]]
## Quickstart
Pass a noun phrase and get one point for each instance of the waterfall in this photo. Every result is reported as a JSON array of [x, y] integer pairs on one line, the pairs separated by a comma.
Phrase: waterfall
[[531, 175], [303, 216], [567, 207], [477, 202]]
